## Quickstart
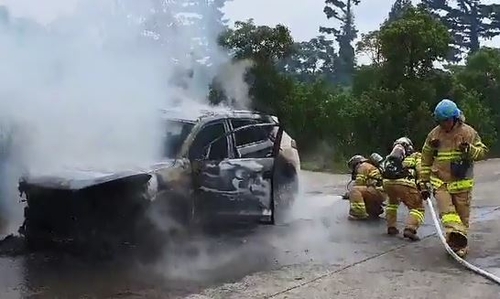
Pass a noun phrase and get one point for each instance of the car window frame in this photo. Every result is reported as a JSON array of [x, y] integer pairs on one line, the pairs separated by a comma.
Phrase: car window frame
[[181, 152], [237, 148], [198, 131]]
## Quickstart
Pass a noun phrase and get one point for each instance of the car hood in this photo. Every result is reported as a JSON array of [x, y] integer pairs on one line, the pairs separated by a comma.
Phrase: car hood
[[76, 179]]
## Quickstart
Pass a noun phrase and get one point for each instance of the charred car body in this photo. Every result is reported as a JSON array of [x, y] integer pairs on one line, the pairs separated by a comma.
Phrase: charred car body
[[218, 166]]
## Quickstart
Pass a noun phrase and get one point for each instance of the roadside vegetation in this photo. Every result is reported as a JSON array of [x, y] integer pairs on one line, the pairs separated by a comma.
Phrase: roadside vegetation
[[335, 108]]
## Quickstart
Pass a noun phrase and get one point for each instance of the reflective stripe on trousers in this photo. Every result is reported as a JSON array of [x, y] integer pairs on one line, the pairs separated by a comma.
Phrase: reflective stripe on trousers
[[450, 219], [358, 209], [392, 208], [454, 210], [453, 187], [419, 215]]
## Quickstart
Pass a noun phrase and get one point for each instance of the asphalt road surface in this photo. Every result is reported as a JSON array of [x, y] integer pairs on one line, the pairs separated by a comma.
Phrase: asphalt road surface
[[314, 253]]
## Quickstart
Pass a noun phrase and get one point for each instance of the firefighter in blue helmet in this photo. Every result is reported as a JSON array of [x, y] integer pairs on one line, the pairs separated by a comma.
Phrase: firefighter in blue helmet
[[448, 156]]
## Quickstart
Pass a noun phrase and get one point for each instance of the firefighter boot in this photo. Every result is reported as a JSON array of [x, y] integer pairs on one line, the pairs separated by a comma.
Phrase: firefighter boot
[[392, 231], [457, 240], [411, 234], [458, 243]]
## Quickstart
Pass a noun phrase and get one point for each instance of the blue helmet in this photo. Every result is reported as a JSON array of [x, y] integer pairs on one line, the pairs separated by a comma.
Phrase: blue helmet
[[446, 109]]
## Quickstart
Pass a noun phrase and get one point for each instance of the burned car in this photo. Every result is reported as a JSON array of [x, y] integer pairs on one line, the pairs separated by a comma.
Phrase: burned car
[[219, 166]]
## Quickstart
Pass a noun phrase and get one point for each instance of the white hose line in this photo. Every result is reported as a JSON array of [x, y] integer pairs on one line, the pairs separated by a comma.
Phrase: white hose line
[[452, 253]]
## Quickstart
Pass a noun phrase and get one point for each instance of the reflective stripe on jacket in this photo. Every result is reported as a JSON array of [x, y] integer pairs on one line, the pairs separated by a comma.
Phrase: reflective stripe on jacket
[[436, 161], [367, 175]]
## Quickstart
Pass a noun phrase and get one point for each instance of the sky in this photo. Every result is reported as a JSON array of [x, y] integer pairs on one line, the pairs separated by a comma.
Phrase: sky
[[302, 19]]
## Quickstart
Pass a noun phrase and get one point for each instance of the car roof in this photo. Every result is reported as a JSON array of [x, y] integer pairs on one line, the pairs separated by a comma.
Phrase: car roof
[[209, 113]]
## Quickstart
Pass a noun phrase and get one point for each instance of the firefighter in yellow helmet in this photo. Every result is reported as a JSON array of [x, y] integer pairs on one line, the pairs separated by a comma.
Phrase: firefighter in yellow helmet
[[400, 173], [448, 157], [366, 196]]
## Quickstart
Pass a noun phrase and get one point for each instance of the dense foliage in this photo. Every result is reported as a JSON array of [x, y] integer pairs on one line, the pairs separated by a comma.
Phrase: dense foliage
[[332, 106], [335, 111]]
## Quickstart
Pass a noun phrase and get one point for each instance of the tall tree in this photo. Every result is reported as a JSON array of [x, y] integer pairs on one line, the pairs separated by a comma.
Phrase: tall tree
[[413, 43], [468, 21], [481, 76], [369, 44], [311, 60], [398, 9], [342, 11], [264, 46]]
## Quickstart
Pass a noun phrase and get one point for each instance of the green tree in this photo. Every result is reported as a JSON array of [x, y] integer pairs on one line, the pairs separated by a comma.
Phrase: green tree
[[397, 10], [262, 44], [468, 21], [395, 95], [478, 114], [366, 78], [479, 80], [311, 60], [481, 73], [342, 11], [369, 45], [265, 46], [392, 97], [413, 44]]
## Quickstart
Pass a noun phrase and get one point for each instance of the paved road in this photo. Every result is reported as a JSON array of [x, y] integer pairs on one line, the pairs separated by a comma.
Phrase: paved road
[[357, 260], [315, 253]]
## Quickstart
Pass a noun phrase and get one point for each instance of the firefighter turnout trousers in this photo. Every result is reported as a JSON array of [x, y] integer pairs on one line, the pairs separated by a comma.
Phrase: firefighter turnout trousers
[[365, 202], [454, 211], [411, 198]]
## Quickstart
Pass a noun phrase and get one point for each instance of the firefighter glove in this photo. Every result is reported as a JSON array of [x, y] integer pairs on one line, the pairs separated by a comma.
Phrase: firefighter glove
[[425, 189], [464, 147]]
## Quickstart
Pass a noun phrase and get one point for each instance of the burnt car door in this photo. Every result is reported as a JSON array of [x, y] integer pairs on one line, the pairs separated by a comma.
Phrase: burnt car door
[[234, 171]]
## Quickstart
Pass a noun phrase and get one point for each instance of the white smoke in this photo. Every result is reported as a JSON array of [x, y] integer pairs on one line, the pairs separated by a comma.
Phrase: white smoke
[[231, 79], [84, 90]]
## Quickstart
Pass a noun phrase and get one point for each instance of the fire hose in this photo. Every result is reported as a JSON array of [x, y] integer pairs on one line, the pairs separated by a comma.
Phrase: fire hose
[[450, 251]]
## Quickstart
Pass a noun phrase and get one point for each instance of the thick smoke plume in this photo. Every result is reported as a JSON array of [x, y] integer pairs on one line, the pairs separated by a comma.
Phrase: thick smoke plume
[[84, 91]]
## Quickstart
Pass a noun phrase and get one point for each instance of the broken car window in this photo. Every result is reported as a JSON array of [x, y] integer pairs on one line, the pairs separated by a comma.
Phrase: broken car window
[[218, 150], [176, 133], [252, 142], [250, 135]]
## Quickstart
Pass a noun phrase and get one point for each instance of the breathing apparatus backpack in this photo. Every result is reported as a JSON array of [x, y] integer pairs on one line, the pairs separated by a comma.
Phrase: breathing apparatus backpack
[[393, 168]]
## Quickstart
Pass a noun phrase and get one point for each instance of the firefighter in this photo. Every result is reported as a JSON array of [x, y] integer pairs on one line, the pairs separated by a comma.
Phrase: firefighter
[[448, 156], [400, 173], [375, 159], [365, 197]]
